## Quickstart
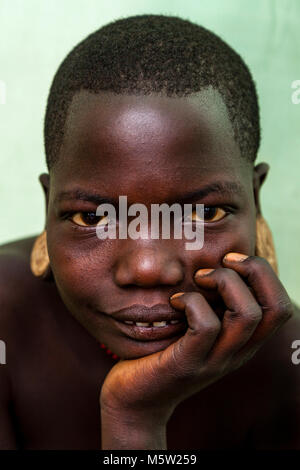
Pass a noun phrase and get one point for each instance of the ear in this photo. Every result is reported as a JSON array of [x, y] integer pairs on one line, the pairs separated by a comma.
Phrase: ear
[[259, 176], [44, 179]]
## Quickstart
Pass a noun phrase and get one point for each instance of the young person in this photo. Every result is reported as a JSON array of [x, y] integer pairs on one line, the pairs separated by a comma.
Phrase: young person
[[198, 342]]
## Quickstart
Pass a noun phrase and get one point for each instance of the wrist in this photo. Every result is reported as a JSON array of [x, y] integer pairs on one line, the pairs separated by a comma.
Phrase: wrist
[[128, 429]]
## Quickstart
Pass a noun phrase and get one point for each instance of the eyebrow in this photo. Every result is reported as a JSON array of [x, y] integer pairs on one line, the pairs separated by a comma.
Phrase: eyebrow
[[82, 195], [220, 187]]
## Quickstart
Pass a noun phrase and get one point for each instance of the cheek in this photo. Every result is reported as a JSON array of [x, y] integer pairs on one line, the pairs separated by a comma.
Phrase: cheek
[[240, 238], [81, 270]]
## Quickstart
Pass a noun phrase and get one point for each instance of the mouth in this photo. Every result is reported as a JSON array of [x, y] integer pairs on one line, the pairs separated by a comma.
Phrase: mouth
[[150, 333], [149, 323]]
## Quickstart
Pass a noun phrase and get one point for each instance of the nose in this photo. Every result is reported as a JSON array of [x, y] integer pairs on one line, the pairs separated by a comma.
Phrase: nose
[[146, 266]]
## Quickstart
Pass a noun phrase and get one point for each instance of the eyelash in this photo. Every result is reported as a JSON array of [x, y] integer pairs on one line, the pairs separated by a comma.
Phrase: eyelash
[[69, 214]]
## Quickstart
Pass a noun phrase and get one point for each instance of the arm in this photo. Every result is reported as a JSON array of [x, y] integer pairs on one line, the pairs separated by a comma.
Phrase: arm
[[141, 394], [126, 430]]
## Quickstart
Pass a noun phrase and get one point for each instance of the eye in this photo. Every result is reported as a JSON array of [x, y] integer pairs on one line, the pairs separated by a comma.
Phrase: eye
[[211, 214], [89, 219]]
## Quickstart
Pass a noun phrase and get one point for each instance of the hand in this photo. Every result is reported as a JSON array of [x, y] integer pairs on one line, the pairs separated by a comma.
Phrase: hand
[[154, 385]]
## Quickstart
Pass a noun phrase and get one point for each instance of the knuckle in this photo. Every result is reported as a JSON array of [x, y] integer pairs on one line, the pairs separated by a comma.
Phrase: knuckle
[[208, 328], [284, 310], [256, 261], [289, 312], [192, 297], [256, 265], [213, 328], [251, 315], [227, 272], [224, 275]]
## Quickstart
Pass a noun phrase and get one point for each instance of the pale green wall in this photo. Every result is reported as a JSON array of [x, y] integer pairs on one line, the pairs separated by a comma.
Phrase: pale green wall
[[35, 35]]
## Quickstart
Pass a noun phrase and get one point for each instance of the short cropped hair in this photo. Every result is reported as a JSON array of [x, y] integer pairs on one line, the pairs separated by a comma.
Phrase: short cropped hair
[[148, 54]]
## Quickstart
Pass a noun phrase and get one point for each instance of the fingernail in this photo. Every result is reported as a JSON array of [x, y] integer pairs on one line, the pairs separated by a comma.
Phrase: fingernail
[[203, 272], [235, 257], [178, 294]]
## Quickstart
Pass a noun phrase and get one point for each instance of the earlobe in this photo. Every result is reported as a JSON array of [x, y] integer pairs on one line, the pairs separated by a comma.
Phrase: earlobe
[[259, 175]]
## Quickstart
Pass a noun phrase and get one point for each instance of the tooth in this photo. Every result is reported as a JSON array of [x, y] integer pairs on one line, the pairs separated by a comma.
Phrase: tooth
[[159, 323], [142, 324], [128, 322], [174, 321]]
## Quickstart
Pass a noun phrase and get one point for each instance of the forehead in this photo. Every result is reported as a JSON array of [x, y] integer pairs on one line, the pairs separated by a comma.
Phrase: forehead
[[143, 141]]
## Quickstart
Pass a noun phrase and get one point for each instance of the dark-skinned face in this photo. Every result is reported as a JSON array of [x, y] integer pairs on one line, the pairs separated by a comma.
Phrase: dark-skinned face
[[152, 149]]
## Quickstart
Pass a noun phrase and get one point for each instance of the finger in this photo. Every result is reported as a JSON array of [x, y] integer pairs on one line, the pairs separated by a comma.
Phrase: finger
[[203, 328], [243, 313], [268, 290]]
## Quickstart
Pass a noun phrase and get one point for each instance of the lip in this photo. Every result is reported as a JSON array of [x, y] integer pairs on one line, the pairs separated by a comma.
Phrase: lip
[[150, 333], [142, 313]]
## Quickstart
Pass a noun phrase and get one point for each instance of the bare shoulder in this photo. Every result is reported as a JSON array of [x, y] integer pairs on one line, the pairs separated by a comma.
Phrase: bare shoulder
[[16, 286], [16, 279], [15, 260], [21, 295]]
